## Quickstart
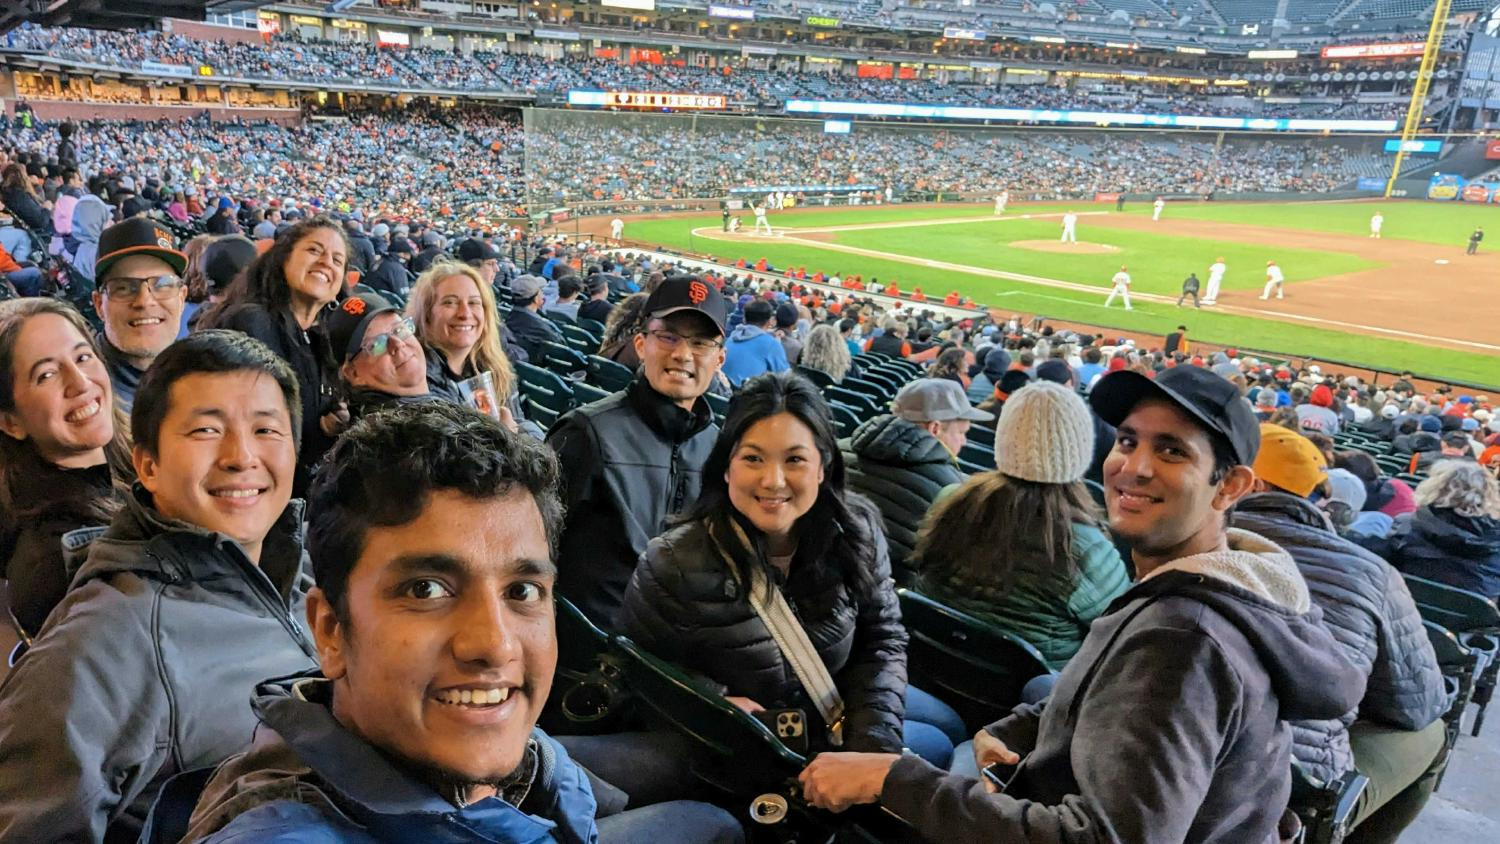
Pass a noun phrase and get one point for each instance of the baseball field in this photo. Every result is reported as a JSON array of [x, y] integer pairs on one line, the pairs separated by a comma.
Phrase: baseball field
[[1411, 299]]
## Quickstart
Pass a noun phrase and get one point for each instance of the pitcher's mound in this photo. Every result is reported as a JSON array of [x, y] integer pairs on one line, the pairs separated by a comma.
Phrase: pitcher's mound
[[1070, 248]]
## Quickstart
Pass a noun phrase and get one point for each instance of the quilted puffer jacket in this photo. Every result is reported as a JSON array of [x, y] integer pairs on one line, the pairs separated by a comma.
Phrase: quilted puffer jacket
[[1369, 610], [901, 468], [684, 604]]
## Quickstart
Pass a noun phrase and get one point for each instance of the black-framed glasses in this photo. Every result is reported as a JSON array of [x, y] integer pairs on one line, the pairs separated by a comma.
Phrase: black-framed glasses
[[381, 343], [699, 345], [162, 287]]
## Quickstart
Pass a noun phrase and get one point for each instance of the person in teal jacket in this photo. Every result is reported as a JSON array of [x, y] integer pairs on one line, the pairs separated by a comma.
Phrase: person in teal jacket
[[1024, 547]]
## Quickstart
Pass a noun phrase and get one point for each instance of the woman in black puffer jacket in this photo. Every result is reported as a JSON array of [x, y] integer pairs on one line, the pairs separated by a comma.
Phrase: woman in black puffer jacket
[[773, 500]]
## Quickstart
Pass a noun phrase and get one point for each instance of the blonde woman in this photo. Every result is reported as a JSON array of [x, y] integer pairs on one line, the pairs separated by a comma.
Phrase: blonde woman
[[826, 352], [459, 326]]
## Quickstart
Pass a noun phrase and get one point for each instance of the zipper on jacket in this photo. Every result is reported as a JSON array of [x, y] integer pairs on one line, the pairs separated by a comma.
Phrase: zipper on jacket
[[674, 480], [261, 584]]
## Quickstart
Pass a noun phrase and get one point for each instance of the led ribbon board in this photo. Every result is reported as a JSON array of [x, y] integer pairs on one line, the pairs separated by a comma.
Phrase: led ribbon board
[[1089, 118]]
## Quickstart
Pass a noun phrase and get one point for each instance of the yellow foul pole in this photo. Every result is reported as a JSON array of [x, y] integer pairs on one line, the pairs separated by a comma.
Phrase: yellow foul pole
[[1419, 90]]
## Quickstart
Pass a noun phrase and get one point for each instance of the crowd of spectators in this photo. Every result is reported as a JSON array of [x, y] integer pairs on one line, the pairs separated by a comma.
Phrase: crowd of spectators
[[291, 483], [476, 165], [286, 58]]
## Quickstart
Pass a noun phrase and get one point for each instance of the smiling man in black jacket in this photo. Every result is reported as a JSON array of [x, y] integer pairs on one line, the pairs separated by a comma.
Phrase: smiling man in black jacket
[[1170, 723], [631, 460]]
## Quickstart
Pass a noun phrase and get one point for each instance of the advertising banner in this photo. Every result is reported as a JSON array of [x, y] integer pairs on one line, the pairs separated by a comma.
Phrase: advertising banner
[[1476, 193], [1445, 186], [1492, 149], [164, 69]]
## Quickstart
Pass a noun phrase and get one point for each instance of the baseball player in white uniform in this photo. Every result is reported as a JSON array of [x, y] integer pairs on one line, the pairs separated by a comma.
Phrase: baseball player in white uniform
[[760, 219], [1275, 279], [1375, 223], [1070, 224], [1215, 278], [1001, 200], [616, 228], [1121, 288], [1156, 208]]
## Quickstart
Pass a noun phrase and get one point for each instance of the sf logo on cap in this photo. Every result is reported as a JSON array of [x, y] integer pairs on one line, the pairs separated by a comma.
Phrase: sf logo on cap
[[164, 238], [354, 306], [697, 291]]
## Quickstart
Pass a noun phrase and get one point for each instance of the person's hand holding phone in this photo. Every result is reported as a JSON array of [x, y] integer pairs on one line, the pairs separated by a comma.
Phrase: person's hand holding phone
[[988, 751]]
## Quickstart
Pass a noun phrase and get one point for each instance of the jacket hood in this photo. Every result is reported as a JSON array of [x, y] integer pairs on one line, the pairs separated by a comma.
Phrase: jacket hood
[[1253, 586], [744, 332], [891, 439], [118, 548], [392, 804], [1461, 536], [1251, 563], [90, 216]]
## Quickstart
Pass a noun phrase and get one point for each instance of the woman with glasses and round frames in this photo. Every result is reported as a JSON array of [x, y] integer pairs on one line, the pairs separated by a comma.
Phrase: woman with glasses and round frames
[[774, 515], [280, 300], [457, 321], [64, 456]]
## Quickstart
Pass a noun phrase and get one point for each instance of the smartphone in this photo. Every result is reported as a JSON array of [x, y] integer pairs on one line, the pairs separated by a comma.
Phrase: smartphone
[[1000, 775]]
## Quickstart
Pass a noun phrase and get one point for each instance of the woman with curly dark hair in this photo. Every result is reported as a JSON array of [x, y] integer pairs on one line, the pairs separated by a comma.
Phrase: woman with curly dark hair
[[280, 300]]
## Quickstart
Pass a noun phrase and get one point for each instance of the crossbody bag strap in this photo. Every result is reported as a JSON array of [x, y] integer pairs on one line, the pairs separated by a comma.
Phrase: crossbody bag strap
[[776, 614]]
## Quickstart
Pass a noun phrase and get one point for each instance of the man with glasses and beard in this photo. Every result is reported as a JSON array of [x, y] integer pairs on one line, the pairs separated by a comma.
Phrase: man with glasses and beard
[[139, 296], [633, 459]]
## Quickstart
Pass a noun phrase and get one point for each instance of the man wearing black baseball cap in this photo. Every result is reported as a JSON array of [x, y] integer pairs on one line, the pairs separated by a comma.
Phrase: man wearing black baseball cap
[[1170, 722], [481, 256], [631, 460], [139, 296]]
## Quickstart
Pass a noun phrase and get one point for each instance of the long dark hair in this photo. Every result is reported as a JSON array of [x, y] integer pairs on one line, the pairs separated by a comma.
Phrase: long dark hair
[[19, 459], [830, 536], [995, 526], [264, 281]]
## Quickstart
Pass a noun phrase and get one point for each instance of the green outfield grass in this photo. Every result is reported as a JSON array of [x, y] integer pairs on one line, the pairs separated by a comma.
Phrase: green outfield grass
[[1158, 263], [1446, 223]]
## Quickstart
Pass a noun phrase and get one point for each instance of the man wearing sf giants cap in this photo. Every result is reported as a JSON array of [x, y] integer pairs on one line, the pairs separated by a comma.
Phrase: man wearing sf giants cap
[[1170, 722], [631, 460]]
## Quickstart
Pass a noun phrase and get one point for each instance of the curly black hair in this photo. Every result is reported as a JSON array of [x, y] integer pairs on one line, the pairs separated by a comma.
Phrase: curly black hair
[[382, 471]]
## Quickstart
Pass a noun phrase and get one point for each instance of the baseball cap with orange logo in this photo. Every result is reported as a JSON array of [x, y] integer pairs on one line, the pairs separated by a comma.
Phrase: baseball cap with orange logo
[[137, 236], [687, 293]]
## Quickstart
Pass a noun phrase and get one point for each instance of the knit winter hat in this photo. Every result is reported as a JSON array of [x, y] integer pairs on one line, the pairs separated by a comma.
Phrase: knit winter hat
[[1045, 434]]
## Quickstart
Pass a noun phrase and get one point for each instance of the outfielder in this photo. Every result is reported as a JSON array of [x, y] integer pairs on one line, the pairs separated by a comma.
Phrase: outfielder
[[1070, 225], [1375, 223], [1156, 208], [760, 219], [1121, 288], [1215, 278], [1274, 279], [616, 228], [1001, 200]]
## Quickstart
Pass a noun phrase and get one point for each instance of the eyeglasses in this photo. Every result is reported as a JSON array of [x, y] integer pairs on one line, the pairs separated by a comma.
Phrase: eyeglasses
[[699, 345], [381, 343], [163, 287]]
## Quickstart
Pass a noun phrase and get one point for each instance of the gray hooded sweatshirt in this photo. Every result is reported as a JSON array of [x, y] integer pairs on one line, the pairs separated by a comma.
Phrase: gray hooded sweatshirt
[[144, 670], [1170, 723], [90, 217]]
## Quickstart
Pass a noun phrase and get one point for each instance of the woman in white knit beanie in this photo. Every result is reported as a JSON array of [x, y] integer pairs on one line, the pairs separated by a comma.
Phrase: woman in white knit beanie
[[1025, 547]]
